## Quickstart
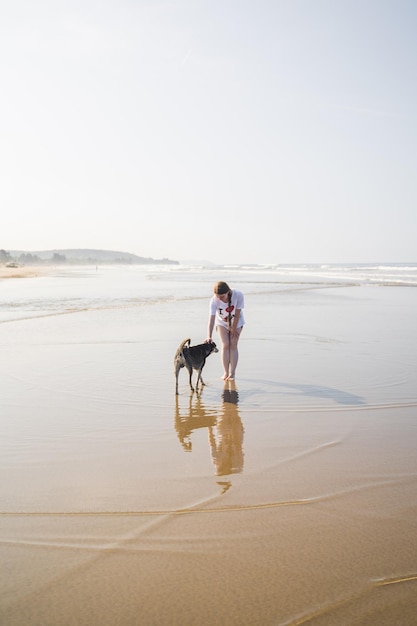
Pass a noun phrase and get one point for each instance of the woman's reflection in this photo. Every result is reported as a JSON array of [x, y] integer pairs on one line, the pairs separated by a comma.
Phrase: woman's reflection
[[226, 437], [225, 429]]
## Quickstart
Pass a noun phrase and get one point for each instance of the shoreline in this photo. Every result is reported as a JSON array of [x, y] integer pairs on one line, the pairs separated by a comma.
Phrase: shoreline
[[31, 271]]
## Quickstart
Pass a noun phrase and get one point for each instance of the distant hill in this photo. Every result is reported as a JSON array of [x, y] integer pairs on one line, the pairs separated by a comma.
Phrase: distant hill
[[85, 256]]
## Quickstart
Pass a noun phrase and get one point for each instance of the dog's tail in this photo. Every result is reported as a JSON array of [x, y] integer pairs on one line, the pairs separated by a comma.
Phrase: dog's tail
[[183, 345]]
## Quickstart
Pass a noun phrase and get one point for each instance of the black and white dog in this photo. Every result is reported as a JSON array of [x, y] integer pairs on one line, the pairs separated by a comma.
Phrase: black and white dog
[[192, 357]]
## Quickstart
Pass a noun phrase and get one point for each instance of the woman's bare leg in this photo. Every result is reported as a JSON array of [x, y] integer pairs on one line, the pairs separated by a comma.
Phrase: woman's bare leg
[[230, 354], [224, 337], [234, 354]]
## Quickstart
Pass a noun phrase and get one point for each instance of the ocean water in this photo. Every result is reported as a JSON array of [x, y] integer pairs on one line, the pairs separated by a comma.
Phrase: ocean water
[[75, 289], [358, 316]]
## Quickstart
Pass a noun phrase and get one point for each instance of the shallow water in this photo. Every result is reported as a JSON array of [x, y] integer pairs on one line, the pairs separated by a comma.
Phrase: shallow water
[[72, 289]]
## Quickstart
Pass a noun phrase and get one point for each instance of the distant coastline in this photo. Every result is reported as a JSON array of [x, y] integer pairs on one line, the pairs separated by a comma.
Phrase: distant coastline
[[81, 256]]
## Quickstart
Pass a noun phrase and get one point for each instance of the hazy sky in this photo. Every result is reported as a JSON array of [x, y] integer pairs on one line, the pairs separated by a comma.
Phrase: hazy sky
[[259, 131]]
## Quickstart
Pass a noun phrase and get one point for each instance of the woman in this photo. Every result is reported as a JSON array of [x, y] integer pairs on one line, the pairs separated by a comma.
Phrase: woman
[[226, 312]]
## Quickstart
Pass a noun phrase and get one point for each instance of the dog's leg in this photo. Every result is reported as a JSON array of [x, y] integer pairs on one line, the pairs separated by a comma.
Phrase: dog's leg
[[190, 371], [200, 379], [177, 371]]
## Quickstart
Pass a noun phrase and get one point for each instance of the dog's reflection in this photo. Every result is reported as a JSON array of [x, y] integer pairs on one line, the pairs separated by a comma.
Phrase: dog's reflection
[[225, 429], [196, 417]]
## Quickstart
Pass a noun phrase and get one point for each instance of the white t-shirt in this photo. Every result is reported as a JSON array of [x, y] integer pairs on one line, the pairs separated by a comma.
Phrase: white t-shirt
[[222, 311]]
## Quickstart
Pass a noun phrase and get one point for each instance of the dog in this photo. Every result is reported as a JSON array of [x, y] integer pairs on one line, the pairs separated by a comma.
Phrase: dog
[[192, 357]]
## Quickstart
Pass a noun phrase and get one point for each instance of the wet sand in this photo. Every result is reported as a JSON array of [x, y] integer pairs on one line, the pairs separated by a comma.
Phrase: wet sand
[[287, 497]]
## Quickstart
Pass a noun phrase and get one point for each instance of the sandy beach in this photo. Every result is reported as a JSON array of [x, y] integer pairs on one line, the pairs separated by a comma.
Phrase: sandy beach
[[286, 497], [25, 271]]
